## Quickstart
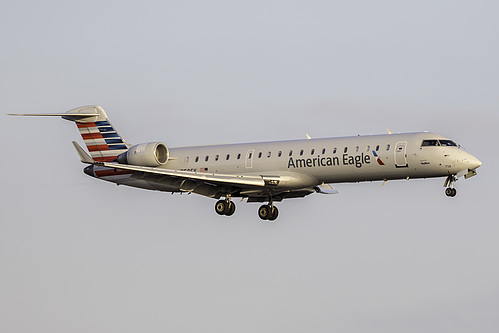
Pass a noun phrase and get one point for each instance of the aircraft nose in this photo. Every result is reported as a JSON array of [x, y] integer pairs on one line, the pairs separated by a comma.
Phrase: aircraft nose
[[473, 162]]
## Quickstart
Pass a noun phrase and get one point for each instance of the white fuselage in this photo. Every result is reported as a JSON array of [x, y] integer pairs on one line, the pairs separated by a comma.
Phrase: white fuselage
[[307, 163], [263, 171]]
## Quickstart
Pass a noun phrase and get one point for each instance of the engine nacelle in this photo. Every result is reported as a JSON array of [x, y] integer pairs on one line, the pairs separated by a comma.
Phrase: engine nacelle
[[151, 154]]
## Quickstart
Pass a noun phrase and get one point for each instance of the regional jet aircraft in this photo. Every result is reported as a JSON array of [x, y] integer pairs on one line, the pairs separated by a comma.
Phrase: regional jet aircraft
[[266, 171]]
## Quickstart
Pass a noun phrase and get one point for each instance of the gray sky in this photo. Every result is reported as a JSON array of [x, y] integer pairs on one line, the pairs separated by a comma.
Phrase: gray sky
[[79, 255]]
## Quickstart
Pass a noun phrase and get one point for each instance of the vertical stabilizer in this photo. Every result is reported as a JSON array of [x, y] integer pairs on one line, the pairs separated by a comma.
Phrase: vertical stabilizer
[[101, 138]]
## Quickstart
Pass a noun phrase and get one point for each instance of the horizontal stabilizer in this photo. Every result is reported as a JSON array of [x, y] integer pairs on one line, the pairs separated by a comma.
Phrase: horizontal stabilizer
[[84, 157], [84, 114], [54, 114]]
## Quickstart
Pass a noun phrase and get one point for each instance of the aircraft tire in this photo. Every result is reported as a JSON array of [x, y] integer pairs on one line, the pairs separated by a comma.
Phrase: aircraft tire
[[264, 212], [231, 209], [274, 214], [221, 207], [450, 192]]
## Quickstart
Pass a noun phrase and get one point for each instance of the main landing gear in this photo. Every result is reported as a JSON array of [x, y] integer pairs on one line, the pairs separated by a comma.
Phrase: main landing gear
[[225, 207], [268, 212], [450, 191]]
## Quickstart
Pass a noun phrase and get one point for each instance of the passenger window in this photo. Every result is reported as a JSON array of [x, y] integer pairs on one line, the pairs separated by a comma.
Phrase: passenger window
[[197, 159], [250, 155], [334, 150], [260, 155], [268, 154], [290, 153], [216, 157], [187, 160], [357, 149], [312, 152], [388, 147], [238, 156], [368, 148], [206, 158], [279, 154], [301, 152], [227, 157], [377, 148], [323, 151], [345, 150]]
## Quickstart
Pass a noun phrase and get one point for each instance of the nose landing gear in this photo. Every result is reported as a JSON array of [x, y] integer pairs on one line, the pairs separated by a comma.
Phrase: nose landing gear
[[450, 191]]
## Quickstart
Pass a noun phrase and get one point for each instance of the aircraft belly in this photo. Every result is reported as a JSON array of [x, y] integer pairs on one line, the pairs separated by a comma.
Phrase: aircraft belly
[[368, 173]]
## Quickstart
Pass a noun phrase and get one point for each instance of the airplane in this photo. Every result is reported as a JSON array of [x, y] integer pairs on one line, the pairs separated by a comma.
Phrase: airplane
[[264, 172]]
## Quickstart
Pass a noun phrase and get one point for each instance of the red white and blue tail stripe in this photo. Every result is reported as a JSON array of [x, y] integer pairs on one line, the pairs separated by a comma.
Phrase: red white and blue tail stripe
[[102, 140]]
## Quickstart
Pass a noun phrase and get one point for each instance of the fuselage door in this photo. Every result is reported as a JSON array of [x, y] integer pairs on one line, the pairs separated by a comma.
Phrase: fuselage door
[[249, 158], [401, 154]]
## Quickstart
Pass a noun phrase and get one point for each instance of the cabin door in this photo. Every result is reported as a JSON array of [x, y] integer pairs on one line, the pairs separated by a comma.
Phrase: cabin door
[[249, 158], [401, 154]]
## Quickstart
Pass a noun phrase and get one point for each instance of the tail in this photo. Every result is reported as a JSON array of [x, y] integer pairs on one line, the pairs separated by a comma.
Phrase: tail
[[101, 138]]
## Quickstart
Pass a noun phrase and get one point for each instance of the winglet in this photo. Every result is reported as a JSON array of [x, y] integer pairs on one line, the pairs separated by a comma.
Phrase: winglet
[[84, 157]]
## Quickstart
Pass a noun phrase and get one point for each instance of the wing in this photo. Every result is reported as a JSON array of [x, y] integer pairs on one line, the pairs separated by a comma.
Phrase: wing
[[257, 188]]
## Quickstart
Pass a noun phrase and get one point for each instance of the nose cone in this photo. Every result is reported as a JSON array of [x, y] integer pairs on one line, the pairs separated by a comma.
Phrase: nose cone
[[471, 161], [474, 162]]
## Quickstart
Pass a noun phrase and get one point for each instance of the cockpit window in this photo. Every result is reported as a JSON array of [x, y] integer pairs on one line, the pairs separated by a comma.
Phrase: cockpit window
[[430, 143], [448, 143], [435, 143]]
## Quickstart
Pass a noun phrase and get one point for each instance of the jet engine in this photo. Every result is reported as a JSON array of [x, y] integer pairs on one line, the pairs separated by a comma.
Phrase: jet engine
[[151, 154]]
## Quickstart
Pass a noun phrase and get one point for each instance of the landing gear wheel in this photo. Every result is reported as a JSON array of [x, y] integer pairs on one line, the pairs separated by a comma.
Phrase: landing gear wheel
[[274, 214], [221, 207], [264, 212], [267, 212], [450, 192], [224, 207], [232, 209]]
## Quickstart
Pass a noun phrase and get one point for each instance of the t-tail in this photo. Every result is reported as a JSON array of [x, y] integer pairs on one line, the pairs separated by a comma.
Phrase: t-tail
[[101, 138]]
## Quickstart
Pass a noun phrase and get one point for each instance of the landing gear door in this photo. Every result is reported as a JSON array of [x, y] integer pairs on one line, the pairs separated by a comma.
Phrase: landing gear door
[[249, 158], [401, 154]]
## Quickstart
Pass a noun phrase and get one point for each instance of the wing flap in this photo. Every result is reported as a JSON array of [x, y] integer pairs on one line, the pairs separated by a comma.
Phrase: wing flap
[[202, 176]]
